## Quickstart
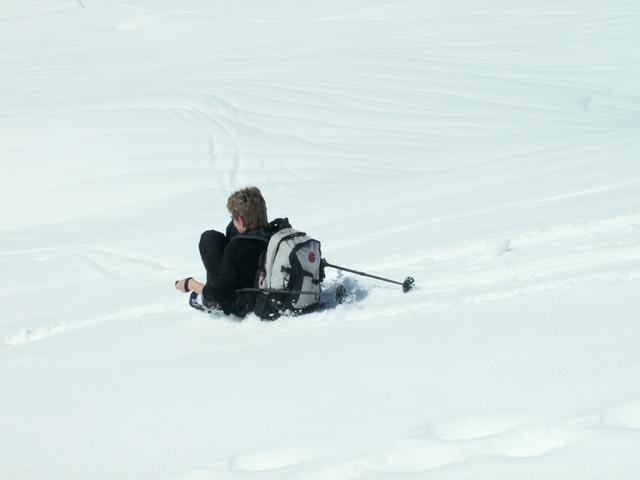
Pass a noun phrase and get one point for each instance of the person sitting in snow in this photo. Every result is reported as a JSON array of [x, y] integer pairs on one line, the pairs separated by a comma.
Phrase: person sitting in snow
[[232, 265]]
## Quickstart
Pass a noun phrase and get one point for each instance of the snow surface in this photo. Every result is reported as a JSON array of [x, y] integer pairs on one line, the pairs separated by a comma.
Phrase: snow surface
[[488, 148]]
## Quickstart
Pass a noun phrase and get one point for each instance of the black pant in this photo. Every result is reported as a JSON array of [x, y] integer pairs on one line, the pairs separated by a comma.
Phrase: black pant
[[212, 245]]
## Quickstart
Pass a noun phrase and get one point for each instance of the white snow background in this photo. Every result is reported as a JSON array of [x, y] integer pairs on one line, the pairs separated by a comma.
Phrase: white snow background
[[489, 148]]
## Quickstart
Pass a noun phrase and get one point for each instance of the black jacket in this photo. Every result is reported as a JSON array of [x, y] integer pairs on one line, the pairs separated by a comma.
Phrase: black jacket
[[237, 270]]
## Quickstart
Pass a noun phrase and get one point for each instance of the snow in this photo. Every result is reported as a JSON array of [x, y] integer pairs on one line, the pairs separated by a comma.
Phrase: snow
[[489, 149]]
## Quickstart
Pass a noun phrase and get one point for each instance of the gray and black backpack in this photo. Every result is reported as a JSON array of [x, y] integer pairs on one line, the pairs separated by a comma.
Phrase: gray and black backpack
[[290, 272]]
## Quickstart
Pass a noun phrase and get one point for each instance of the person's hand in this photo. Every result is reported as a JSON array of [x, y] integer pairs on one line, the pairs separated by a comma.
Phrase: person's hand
[[183, 285]]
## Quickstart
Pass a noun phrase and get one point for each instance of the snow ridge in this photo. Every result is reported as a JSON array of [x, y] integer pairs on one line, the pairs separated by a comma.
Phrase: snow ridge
[[456, 441]]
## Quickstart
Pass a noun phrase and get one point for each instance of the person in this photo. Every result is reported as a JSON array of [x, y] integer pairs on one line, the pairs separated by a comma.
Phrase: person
[[231, 261]]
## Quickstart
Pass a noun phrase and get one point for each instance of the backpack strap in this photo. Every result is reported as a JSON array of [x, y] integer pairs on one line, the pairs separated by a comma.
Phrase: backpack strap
[[264, 234], [278, 224]]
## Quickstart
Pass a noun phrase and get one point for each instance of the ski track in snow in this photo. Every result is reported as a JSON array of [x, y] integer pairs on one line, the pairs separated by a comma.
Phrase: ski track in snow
[[218, 120], [64, 327], [110, 262], [491, 269], [449, 442]]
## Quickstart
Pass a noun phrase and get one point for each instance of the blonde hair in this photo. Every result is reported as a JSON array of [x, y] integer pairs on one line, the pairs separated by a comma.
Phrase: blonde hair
[[249, 204]]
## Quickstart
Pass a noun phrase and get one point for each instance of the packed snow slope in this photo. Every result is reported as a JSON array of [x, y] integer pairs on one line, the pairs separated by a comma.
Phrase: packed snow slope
[[490, 149]]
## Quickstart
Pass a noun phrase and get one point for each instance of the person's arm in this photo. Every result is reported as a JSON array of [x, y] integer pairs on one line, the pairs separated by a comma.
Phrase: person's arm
[[194, 285]]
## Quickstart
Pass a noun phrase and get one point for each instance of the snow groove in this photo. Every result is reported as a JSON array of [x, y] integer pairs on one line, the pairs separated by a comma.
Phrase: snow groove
[[489, 269], [219, 121], [63, 327]]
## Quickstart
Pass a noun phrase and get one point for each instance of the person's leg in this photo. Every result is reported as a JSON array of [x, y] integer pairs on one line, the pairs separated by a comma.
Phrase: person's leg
[[212, 245]]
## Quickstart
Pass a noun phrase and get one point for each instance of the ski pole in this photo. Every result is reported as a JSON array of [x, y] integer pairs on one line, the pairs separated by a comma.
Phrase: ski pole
[[406, 285]]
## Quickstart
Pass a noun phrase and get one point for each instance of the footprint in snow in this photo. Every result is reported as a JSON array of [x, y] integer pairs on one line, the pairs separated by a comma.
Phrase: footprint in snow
[[461, 439], [272, 459], [476, 426]]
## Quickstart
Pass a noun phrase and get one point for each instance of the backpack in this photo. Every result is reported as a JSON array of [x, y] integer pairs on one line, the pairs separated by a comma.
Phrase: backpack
[[290, 272]]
